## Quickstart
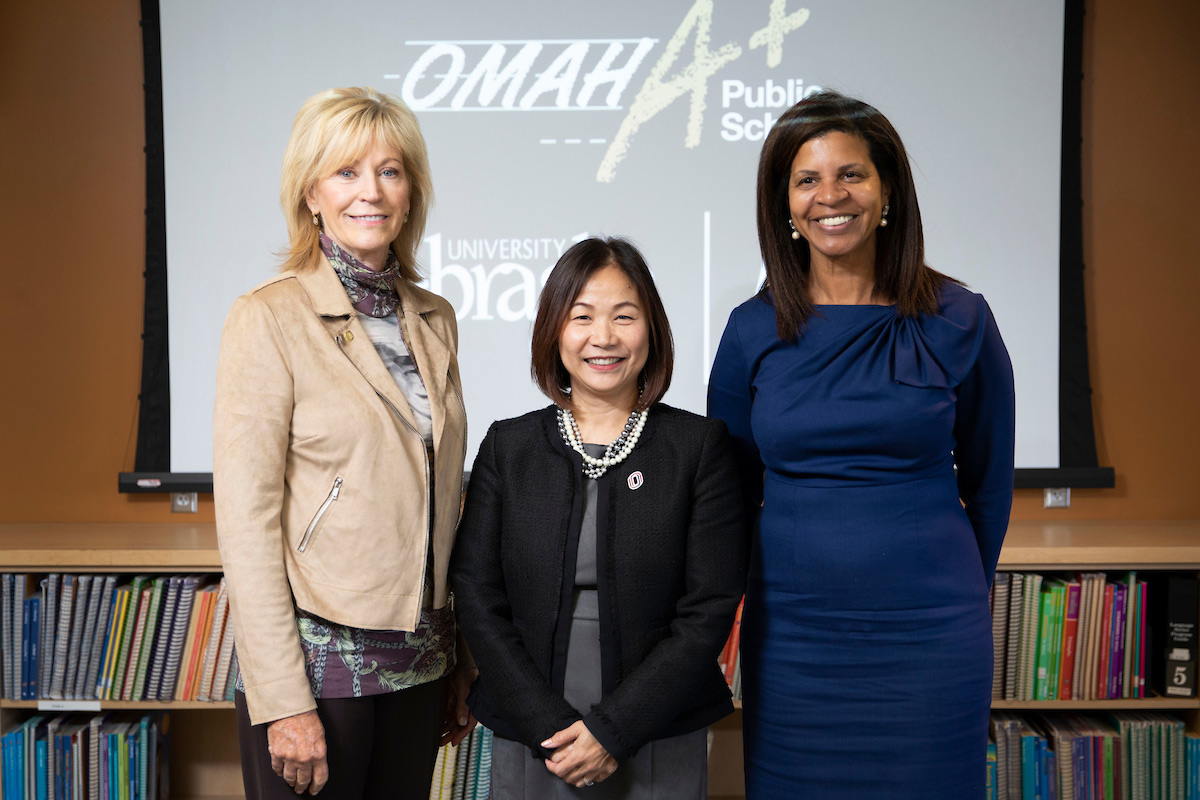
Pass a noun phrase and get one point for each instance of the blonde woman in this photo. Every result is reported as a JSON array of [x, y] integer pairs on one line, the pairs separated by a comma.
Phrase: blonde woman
[[338, 453]]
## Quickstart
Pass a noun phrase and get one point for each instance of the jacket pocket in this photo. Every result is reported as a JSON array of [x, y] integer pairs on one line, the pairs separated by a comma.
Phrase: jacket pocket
[[315, 524]]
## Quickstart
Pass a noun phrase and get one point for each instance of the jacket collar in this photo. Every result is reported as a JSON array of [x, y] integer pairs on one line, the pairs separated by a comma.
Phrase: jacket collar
[[432, 355]]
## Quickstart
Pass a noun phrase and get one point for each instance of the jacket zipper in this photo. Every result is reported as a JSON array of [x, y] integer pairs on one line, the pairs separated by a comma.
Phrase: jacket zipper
[[316, 520], [428, 478]]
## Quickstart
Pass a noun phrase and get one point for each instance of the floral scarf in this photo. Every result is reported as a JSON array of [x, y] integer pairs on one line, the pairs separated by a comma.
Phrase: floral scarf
[[373, 293]]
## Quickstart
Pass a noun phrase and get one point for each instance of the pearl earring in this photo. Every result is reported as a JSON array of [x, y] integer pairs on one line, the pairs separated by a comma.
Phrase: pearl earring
[[883, 221], [795, 233]]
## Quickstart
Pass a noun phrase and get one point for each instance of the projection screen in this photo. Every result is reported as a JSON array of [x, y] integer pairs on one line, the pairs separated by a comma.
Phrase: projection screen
[[551, 121]]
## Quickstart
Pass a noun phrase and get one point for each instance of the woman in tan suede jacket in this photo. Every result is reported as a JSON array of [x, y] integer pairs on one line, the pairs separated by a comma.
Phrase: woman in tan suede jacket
[[339, 440]]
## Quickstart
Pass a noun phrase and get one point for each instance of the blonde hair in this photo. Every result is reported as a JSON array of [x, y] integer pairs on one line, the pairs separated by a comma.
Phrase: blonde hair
[[333, 129]]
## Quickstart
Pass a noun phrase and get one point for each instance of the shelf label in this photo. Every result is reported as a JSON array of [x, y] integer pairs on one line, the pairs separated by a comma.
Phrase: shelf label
[[68, 705]]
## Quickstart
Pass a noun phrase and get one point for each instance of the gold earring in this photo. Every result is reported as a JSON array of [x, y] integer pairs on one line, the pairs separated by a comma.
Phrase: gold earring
[[316, 219]]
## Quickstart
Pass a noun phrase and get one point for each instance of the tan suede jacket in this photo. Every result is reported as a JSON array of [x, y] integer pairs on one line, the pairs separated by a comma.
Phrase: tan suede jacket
[[321, 480]]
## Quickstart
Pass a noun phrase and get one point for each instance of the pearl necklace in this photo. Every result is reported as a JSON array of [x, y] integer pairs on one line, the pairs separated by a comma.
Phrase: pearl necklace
[[614, 454]]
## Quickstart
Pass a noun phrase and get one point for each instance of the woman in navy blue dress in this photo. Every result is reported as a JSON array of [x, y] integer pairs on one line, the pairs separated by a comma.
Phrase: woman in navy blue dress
[[871, 403]]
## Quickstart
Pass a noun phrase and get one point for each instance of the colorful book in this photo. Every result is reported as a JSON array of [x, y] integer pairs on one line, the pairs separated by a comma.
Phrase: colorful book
[[212, 648], [1069, 638], [206, 599], [135, 644], [1045, 634], [100, 637], [121, 597], [157, 588], [1104, 653], [1117, 664], [125, 643]]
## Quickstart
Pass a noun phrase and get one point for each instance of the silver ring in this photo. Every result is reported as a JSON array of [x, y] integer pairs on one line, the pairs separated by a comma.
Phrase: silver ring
[[586, 782]]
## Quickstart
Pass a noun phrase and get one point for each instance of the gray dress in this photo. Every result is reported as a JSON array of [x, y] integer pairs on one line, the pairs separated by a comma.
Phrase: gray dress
[[675, 768]]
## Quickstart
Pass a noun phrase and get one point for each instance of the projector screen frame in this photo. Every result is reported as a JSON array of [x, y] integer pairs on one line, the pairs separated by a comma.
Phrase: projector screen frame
[[1079, 466]]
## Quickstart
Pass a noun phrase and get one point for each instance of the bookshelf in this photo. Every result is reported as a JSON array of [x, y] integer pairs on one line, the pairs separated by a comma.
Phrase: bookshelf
[[204, 758]]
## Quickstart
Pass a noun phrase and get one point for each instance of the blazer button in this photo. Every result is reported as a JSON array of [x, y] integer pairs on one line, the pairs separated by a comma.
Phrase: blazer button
[[348, 337]]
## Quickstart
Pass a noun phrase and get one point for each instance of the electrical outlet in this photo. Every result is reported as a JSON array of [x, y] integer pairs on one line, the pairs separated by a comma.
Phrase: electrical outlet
[[184, 502], [1057, 498]]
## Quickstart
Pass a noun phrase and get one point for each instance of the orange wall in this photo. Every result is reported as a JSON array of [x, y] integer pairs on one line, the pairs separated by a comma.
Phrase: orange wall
[[71, 217]]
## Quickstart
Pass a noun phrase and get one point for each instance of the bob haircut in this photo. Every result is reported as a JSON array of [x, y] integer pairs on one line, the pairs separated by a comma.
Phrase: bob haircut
[[566, 282], [336, 128], [901, 274]]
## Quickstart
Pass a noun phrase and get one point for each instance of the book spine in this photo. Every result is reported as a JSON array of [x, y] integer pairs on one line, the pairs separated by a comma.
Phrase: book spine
[[26, 652], [1012, 651], [62, 637], [1045, 627], [7, 641], [124, 651], [212, 649], [179, 630], [1182, 601], [1101, 676], [100, 634], [1069, 637], [1141, 689], [112, 658], [1060, 602], [148, 635], [83, 588], [162, 638], [135, 645], [999, 606], [80, 688], [1117, 664]]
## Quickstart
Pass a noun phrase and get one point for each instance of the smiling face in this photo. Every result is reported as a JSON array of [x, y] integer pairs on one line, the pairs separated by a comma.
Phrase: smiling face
[[363, 204], [605, 341], [836, 199]]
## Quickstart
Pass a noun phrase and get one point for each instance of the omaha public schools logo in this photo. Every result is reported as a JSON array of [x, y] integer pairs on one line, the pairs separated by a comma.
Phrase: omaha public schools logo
[[635, 480]]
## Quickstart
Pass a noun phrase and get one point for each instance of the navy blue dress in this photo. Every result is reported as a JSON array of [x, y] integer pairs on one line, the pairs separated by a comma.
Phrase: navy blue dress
[[866, 636]]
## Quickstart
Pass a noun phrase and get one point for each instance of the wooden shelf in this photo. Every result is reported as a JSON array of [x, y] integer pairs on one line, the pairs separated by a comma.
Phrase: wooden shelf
[[108, 547], [1101, 544]]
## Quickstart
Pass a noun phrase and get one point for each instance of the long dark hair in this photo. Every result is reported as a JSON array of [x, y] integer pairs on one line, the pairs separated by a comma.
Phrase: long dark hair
[[901, 274]]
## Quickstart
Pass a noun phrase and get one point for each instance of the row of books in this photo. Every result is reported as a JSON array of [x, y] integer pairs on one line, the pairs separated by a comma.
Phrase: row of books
[[122, 756], [109, 637], [1080, 637], [1114, 756], [464, 772]]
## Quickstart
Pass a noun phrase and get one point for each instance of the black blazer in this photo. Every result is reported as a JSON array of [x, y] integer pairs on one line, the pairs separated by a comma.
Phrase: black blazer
[[671, 562]]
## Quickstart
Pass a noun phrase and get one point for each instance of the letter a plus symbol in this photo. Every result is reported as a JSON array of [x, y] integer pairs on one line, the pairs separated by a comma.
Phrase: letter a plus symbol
[[777, 25]]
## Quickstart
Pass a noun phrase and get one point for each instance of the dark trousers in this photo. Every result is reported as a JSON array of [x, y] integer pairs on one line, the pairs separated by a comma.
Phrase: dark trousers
[[382, 746]]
